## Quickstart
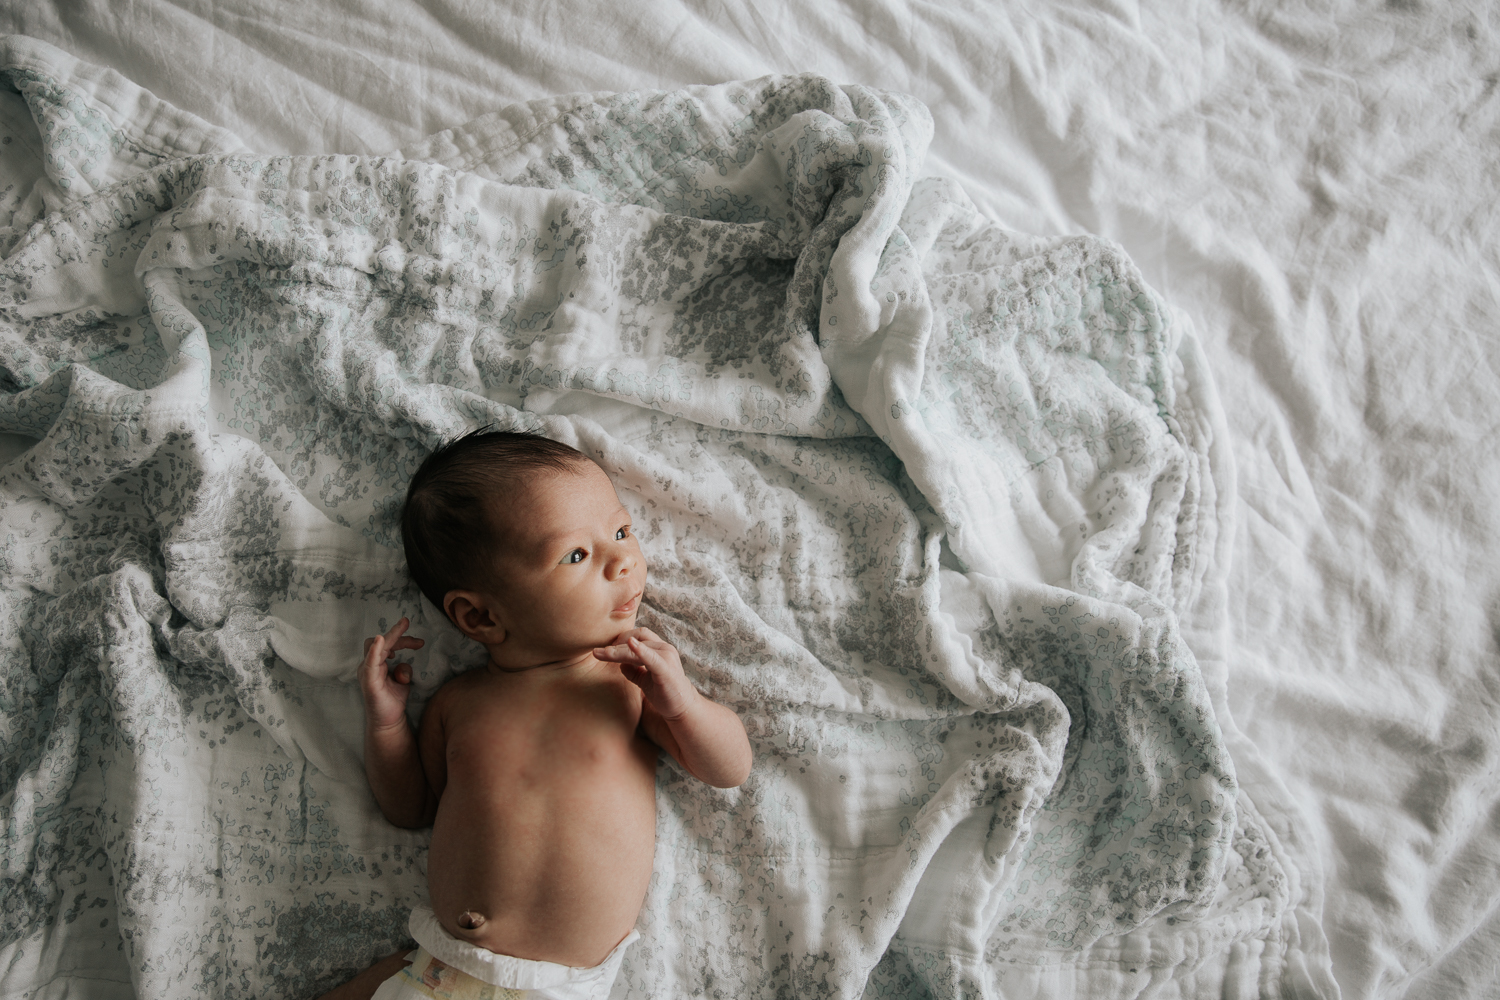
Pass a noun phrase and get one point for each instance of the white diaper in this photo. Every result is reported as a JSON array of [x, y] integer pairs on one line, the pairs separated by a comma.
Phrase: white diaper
[[445, 968]]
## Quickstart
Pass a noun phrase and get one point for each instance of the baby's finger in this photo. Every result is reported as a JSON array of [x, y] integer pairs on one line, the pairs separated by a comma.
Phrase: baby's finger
[[616, 654], [395, 633], [372, 667], [646, 653], [640, 632], [406, 642]]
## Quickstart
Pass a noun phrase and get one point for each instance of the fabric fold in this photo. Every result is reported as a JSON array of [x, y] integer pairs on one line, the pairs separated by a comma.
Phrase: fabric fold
[[930, 504]]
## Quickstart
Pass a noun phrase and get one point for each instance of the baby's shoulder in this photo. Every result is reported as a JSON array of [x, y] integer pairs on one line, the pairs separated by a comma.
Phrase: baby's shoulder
[[467, 682], [454, 690], [458, 705]]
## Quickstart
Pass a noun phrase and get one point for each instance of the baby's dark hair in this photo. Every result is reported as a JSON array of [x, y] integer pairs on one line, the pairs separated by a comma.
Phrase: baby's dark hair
[[449, 523]]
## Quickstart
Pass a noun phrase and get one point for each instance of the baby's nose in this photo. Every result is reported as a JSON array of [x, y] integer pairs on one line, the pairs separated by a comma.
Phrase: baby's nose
[[624, 563]]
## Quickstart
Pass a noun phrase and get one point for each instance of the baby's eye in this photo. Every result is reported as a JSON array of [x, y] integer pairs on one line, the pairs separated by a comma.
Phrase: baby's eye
[[576, 556], [622, 533]]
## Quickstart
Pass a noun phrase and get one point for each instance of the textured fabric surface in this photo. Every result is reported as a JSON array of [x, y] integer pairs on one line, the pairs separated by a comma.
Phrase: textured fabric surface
[[1314, 185], [925, 501]]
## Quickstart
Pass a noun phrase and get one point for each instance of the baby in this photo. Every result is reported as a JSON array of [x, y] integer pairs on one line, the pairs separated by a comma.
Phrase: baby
[[538, 770]]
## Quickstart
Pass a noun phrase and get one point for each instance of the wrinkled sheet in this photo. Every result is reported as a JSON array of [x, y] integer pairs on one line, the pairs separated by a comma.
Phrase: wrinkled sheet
[[1314, 187], [928, 502]]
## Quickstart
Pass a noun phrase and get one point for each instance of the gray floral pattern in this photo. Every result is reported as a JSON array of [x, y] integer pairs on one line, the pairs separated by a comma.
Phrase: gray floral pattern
[[931, 504]]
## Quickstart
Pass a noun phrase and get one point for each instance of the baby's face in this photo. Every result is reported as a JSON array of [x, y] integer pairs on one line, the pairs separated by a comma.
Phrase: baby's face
[[573, 577]]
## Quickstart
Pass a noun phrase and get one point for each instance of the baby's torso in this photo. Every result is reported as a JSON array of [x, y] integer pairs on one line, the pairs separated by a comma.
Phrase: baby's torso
[[547, 823]]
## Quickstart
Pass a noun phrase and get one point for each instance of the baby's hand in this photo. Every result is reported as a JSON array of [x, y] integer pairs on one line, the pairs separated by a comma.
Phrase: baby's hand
[[651, 664], [386, 688], [704, 736]]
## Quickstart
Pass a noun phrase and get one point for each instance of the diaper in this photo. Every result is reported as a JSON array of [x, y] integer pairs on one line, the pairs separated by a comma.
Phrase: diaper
[[445, 968]]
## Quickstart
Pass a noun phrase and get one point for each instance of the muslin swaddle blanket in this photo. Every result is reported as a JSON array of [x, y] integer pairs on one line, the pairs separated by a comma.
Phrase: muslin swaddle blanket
[[938, 508]]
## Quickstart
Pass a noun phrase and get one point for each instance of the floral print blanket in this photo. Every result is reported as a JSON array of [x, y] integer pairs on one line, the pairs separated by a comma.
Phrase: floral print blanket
[[938, 508]]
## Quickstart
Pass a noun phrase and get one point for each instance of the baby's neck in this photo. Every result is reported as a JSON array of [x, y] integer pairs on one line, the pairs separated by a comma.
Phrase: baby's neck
[[568, 666]]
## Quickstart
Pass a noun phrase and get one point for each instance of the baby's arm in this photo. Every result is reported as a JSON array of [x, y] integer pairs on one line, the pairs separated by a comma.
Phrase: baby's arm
[[393, 763], [704, 736]]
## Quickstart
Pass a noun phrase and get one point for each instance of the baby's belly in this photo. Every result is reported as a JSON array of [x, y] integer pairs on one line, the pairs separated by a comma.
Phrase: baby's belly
[[556, 867]]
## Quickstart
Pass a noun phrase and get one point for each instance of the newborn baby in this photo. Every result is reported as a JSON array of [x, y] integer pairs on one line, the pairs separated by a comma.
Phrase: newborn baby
[[538, 770]]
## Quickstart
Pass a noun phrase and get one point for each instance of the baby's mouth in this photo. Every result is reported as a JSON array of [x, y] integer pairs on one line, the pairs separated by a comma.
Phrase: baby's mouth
[[629, 606]]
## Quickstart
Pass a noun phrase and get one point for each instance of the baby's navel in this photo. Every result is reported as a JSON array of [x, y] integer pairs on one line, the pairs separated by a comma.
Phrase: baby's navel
[[470, 921]]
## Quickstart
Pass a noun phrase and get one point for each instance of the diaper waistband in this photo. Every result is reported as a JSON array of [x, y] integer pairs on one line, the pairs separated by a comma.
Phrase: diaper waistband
[[505, 970]]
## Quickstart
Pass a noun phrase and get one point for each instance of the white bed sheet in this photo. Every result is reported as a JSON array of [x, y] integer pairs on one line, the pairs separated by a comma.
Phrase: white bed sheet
[[1317, 189]]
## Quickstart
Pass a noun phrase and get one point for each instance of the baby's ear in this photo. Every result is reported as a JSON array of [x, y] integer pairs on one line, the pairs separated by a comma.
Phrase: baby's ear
[[470, 611]]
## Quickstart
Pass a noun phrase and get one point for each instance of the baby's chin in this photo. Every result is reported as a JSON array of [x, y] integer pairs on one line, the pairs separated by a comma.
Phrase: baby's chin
[[620, 627], [609, 633]]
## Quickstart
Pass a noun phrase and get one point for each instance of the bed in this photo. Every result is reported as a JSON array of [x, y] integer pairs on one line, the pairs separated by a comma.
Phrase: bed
[[1065, 434]]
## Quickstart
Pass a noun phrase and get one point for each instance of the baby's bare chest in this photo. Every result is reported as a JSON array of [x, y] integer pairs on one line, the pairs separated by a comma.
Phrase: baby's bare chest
[[572, 741]]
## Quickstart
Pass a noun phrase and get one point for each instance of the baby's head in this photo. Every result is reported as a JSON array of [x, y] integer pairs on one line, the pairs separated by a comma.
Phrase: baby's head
[[524, 545]]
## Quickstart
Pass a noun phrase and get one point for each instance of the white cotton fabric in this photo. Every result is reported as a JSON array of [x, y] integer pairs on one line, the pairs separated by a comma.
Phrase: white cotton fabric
[[1314, 187]]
